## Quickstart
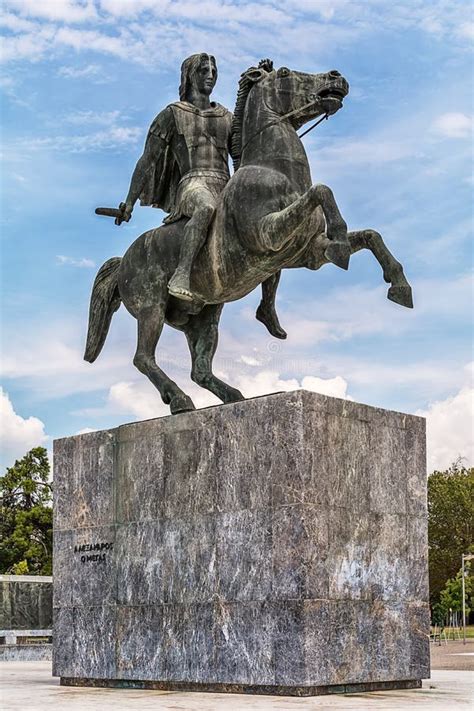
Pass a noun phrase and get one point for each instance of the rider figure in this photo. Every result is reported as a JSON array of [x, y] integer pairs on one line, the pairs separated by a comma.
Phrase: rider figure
[[184, 168]]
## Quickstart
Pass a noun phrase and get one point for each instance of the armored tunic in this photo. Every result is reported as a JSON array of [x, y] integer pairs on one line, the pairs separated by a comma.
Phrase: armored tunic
[[192, 156]]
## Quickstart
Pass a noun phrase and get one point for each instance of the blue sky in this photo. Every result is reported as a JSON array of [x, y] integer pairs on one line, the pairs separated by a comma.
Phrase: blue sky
[[81, 83]]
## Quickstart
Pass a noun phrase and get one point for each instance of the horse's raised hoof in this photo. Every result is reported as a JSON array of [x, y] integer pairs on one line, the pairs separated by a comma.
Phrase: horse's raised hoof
[[401, 295], [270, 320], [339, 254], [181, 403]]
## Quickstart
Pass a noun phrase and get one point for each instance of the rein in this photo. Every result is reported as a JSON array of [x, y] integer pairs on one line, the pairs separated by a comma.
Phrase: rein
[[326, 116], [282, 118]]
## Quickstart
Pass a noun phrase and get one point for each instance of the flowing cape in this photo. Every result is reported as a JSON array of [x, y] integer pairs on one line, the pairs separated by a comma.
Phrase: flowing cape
[[164, 175]]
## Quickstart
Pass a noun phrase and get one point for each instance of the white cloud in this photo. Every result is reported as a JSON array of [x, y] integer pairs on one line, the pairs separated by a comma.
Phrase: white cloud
[[333, 387], [30, 45], [101, 118], [71, 261], [131, 8], [6, 83], [86, 430], [16, 24], [54, 10], [18, 435], [113, 137], [137, 399], [48, 361], [91, 70], [453, 125], [141, 30], [95, 41], [15, 94], [450, 429], [212, 11], [376, 150], [250, 360], [466, 29], [269, 381]]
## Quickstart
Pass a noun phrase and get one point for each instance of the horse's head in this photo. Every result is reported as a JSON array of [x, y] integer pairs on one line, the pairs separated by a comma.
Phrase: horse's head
[[303, 96], [267, 96]]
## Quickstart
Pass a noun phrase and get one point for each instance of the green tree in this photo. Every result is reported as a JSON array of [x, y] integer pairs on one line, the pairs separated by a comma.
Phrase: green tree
[[450, 524], [26, 516], [451, 596]]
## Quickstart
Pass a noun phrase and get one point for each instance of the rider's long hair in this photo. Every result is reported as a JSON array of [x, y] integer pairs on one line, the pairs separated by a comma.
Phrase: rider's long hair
[[188, 69]]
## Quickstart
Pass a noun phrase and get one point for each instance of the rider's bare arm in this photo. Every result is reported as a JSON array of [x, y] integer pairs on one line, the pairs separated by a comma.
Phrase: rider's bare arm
[[154, 146]]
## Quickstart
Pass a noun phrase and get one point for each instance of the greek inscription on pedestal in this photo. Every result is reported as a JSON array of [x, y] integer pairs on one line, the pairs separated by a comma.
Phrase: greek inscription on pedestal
[[93, 552]]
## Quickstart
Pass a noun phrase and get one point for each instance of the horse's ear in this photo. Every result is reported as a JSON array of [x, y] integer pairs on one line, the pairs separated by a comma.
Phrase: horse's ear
[[254, 74]]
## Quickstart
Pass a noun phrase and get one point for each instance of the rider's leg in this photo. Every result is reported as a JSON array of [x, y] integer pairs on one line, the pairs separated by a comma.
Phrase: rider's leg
[[266, 312], [195, 234]]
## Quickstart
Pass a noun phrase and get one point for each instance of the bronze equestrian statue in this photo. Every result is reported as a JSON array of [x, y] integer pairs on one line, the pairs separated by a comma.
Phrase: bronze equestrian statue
[[268, 217]]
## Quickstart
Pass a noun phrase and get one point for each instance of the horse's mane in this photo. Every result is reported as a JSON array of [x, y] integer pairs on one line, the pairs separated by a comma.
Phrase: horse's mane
[[245, 84]]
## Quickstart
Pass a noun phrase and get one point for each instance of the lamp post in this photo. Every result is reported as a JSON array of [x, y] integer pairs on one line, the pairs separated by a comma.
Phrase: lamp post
[[464, 557]]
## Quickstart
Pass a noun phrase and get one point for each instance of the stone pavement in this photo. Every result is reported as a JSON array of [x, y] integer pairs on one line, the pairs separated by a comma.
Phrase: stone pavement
[[29, 685], [454, 655]]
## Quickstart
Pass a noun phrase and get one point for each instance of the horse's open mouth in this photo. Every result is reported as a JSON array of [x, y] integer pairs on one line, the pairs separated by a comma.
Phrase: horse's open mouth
[[332, 94]]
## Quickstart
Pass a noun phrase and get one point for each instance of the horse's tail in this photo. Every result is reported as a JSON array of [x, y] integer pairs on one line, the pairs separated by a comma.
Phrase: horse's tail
[[105, 300]]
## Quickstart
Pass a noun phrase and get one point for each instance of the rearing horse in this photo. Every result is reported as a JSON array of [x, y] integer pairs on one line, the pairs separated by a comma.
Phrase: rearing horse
[[270, 217]]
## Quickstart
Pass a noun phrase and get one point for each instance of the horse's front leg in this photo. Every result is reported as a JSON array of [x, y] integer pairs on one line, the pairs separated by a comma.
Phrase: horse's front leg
[[400, 289], [277, 228]]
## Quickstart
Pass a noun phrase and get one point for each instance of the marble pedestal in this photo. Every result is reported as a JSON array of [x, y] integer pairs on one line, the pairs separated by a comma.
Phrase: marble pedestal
[[276, 545]]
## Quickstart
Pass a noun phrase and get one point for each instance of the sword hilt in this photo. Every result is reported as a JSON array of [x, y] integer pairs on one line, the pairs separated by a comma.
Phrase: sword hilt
[[109, 211], [119, 213]]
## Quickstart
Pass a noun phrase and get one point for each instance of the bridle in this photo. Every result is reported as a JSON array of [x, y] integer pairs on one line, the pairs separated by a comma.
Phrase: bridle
[[283, 118]]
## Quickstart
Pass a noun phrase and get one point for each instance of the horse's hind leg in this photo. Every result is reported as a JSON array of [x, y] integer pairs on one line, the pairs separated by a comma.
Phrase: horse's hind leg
[[202, 335], [400, 289], [150, 325]]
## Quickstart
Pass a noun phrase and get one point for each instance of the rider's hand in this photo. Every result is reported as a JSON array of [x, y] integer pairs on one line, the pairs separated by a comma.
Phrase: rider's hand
[[126, 209]]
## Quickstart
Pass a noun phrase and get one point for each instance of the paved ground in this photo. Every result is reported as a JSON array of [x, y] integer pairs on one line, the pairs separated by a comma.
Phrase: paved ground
[[29, 685], [454, 655]]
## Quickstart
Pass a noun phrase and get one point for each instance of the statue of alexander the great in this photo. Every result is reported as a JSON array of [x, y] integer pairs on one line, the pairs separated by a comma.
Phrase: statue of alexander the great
[[184, 168], [236, 233]]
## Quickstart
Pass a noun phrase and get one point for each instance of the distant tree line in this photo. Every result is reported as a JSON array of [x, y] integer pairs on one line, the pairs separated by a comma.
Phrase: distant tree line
[[26, 516], [450, 534]]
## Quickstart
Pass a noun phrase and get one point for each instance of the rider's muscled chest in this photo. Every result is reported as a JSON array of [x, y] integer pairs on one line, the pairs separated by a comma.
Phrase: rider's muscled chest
[[202, 139], [201, 128]]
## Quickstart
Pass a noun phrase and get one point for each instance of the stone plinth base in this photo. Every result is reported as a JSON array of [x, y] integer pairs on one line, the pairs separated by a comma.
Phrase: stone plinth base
[[243, 689], [276, 545]]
